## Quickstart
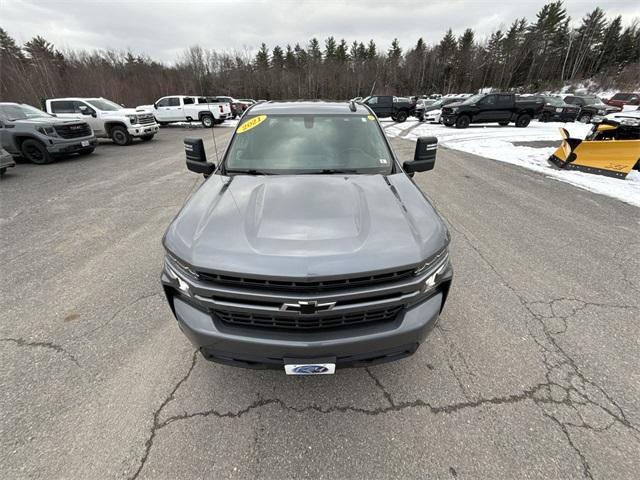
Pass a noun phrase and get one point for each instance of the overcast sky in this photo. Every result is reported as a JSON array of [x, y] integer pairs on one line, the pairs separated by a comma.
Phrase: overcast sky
[[163, 29]]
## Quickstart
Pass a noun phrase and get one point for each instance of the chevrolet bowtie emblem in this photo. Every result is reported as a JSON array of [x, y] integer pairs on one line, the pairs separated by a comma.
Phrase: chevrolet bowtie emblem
[[307, 308]]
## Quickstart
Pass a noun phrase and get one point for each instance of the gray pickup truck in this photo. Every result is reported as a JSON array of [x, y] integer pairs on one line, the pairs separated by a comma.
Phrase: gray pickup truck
[[39, 137], [309, 246]]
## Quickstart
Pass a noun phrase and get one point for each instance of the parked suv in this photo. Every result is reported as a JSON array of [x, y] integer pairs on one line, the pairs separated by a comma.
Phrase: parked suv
[[39, 137], [190, 108], [621, 99], [309, 246], [501, 108], [556, 109], [590, 106], [106, 118]]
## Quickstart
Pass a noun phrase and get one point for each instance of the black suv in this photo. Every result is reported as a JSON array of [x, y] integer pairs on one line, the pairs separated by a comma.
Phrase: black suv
[[309, 246], [555, 109], [590, 106]]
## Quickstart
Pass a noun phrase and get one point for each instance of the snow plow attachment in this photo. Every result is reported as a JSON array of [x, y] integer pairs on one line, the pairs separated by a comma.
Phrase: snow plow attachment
[[601, 152]]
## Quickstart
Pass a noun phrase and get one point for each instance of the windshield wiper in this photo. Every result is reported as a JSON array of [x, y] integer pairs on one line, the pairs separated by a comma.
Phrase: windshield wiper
[[248, 171], [327, 171]]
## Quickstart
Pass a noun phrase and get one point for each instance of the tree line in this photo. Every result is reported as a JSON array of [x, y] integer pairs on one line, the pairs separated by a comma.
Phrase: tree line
[[545, 53]]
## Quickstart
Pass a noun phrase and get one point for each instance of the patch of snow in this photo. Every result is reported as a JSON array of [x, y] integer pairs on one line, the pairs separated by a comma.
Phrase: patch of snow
[[501, 143]]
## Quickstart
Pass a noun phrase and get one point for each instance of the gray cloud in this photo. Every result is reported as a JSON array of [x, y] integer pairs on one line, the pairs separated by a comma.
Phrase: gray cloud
[[163, 29]]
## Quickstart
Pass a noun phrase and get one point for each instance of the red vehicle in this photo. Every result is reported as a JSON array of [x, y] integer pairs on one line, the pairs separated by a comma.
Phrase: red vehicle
[[621, 99]]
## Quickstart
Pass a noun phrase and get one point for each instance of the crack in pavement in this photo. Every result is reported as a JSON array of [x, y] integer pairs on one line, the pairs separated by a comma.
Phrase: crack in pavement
[[48, 345], [566, 385], [115, 314], [156, 416]]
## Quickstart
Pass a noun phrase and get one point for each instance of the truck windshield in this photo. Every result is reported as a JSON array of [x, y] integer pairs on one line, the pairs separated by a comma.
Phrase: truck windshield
[[592, 101], [553, 101], [21, 112], [473, 99], [104, 105], [290, 144]]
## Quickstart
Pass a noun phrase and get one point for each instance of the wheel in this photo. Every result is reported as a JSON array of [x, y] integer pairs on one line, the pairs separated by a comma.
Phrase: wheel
[[421, 117], [463, 121], [503, 124], [86, 151], [146, 138], [584, 118], [401, 116], [394, 118], [120, 136], [523, 120], [36, 152], [544, 118], [207, 121]]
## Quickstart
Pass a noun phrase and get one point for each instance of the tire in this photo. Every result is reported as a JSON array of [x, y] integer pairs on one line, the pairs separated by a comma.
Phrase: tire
[[120, 136], [544, 118], [207, 121], [421, 118], [463, 121], [503, 124], [401, 116], [146, 138], [523, 120], [584, 118], [36, 152], [86, 151], [2, 171]]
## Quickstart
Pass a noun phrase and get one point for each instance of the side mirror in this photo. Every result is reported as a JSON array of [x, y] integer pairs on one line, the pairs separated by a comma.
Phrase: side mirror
[[155, 106], [196, 157], [424, 158]]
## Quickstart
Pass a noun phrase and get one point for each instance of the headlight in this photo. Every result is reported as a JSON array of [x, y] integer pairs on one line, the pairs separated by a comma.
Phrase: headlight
[[48, 131], [133, 119], [601, 112], [179, 272], [454, 109], [441, 258], [630, 122]]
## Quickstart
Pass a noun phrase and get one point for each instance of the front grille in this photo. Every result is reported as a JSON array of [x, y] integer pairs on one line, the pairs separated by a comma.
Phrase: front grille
[[75, 130], [306, 322], [145, 119], [324, 285]]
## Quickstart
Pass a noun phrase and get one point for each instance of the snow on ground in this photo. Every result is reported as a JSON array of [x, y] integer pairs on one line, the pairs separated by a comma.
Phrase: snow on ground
[[508, 144]]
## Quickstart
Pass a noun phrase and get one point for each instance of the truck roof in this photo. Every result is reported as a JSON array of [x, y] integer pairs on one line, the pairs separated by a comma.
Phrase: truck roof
[[307, 107]]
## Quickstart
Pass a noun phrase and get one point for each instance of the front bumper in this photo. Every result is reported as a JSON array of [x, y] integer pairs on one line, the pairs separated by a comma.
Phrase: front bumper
[[58, 146], [196, 308], [141, 130], [252, 347]]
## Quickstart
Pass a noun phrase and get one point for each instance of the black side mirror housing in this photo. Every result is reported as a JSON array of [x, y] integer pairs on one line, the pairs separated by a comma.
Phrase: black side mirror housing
[[197, 158], [424, 158], [155, 106]]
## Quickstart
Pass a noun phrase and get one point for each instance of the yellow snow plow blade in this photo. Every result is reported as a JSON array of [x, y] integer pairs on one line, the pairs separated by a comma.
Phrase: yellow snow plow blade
[[614, 158]]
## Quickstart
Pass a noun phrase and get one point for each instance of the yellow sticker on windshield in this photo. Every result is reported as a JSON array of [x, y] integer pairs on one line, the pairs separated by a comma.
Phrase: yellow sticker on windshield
[[249, 124], [371, 117]]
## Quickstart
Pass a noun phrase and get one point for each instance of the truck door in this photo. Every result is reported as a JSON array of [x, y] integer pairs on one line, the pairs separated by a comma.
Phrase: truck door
[[91, 115], [506, 105], [487, 109], [385, 104], [169, 109]]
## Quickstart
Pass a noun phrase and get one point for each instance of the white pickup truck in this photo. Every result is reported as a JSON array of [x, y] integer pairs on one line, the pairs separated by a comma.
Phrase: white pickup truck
[[189, 108], [106, 118]]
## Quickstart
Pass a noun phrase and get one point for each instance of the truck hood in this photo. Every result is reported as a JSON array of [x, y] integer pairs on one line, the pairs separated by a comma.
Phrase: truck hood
[[126, 111], [306, 226], [45, 121]]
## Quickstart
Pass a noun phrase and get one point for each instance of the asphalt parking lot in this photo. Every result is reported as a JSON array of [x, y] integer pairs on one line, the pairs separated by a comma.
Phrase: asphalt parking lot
[[531, 373]]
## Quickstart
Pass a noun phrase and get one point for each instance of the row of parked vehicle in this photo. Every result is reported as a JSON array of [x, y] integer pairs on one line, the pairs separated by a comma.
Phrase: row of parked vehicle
[[72, 125], [461, 110]]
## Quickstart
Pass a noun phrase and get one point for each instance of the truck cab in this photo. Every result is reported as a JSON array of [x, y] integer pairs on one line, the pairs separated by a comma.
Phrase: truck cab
[[190, 108], [107, 119]]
